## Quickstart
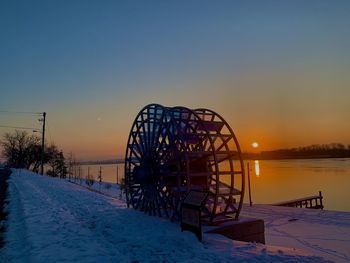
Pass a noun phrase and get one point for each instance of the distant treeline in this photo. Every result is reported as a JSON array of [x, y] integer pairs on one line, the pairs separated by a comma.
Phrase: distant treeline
[[333, 150]]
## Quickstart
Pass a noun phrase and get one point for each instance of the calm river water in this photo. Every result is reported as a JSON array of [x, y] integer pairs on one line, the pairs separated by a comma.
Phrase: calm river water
[[279, 180]]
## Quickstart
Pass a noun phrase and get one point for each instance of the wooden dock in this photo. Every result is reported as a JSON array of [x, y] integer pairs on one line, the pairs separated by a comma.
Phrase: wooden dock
[[313, 202]]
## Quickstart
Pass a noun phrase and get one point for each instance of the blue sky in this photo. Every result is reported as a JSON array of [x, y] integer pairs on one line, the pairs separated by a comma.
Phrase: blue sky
[[271, 68]]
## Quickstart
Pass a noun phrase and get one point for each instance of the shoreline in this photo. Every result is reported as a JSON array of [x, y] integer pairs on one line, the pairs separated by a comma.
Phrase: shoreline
[[244, 159]]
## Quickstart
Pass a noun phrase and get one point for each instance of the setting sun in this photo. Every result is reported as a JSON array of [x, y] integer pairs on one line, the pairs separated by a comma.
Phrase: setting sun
[[255, 145]]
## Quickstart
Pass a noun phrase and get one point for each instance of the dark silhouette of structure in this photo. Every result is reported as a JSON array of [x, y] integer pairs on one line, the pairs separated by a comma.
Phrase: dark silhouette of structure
[[171, 151]]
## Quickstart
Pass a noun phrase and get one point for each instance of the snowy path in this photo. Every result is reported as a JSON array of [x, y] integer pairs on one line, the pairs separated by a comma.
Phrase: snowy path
[[52, 220]]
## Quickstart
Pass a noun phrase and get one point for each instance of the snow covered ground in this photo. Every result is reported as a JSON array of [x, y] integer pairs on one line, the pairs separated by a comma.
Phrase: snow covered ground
[[53, 220], [321, 232]]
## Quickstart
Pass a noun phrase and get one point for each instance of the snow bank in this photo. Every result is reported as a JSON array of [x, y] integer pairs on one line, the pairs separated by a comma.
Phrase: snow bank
[[52, 220]]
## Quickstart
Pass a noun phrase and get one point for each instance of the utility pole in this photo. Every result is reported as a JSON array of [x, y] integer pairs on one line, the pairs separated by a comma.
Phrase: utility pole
[[43, 144]]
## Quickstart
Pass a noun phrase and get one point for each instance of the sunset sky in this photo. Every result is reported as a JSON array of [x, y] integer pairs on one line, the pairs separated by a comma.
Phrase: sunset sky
[[277, 71]]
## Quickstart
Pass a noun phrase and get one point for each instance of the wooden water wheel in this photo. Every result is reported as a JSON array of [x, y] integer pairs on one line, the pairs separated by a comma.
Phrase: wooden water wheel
[[171, 151]]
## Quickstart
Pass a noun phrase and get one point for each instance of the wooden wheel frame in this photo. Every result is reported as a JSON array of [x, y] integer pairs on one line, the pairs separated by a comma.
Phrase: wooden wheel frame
[[172, 150]]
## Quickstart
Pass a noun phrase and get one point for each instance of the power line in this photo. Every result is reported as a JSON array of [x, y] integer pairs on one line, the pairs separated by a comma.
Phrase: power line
[[18, 127], [21, 112]]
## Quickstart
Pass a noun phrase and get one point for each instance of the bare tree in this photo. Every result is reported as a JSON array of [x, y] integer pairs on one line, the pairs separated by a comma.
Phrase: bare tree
[[21, 149], [56, 162]]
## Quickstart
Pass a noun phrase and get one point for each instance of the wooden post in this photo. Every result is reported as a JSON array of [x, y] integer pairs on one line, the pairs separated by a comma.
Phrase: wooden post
[[100, 178], [100, 175], [250, 195], [321, 197], [117, 175]]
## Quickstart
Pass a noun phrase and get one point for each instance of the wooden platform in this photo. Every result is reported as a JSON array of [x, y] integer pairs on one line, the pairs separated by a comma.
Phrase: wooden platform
[[245, 229], [314, 202]]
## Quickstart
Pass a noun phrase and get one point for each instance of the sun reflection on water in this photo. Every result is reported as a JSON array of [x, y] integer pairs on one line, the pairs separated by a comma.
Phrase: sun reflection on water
[[257, 168]]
